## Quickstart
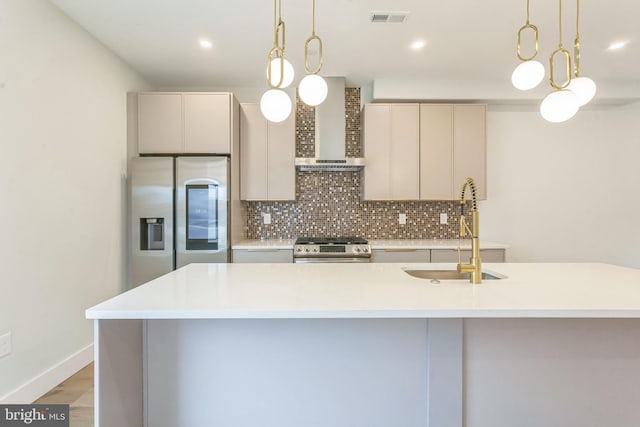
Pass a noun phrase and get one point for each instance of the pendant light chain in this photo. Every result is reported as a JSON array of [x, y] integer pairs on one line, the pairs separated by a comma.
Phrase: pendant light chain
[[308, 42], [563, 51], [527, 26]]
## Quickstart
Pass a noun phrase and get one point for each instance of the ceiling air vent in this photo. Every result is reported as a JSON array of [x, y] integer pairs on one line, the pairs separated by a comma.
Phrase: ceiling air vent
[[389, 17]]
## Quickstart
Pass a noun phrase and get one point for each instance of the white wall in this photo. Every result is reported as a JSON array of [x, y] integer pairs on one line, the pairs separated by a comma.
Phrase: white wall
[[564, 192], [62, 171]]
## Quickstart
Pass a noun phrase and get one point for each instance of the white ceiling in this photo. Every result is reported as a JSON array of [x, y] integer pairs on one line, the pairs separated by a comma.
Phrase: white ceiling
[[469, 41]]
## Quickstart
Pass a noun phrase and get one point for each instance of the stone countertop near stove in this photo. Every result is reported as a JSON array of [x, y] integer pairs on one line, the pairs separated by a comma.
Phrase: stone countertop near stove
[[271, 244], [375, 244]]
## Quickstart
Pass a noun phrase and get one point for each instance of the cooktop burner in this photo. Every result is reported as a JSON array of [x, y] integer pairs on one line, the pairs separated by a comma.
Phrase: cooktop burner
[[331, 241]]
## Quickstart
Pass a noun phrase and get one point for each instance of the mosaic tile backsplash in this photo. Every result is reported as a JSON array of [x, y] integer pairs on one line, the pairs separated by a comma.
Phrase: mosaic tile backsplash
[[329, 204]]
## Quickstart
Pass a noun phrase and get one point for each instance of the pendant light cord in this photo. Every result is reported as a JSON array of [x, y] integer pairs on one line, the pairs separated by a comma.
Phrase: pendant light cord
[[560, 23], [313, 18], [576, 43], [527, 12], [577, 18]]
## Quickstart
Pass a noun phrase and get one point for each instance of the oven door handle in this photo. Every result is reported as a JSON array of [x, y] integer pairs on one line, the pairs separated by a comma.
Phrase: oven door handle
[[328, 260]]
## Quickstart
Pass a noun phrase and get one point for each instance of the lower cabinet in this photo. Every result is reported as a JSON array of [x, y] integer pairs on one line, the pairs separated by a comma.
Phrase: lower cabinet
[[262, 255], [434, 255], [451, 255], [400, 255], [377, 255]]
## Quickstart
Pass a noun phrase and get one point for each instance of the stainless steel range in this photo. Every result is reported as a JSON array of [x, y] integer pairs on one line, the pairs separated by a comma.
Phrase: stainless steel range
[[331, 249]]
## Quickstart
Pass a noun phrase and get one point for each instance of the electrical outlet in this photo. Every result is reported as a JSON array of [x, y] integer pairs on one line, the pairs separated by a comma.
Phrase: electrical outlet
[[402, 219], [266, 218], [444, 219], [5, 344]]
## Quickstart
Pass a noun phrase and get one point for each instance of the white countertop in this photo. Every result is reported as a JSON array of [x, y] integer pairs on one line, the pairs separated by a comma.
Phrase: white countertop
[[218, 291], [375, 244], [264, 244]]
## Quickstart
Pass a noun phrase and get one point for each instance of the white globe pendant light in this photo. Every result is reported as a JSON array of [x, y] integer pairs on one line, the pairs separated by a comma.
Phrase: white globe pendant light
[[275, 66], [275, 105], [313, 90], [584, 88], [527, 75], [559, 106]]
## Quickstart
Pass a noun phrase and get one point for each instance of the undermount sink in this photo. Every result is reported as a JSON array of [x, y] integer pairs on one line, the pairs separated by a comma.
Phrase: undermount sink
[[437, 275]]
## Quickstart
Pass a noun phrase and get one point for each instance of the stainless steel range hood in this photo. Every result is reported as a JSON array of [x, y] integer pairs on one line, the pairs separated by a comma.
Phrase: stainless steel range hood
[[330, 134]]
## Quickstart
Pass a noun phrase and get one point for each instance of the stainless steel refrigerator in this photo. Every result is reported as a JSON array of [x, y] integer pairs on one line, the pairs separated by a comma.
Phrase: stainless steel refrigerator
[[179, 214]]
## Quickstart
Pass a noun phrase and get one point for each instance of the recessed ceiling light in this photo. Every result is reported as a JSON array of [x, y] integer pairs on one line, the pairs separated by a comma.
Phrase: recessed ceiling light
[[206, 44], [617, 45], [418, 44]]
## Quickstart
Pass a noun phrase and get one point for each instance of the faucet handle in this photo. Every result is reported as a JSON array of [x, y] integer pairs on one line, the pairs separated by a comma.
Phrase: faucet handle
[[463, 226]]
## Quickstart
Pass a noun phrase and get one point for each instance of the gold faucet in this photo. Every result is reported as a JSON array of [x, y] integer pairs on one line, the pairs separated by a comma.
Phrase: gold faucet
[[475, 264]]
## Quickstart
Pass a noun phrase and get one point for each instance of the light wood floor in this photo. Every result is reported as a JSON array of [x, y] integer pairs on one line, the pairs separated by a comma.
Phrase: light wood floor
[[77, 391]]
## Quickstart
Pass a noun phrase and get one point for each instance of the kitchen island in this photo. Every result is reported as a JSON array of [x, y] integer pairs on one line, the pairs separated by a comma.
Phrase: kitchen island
[[368, 345]]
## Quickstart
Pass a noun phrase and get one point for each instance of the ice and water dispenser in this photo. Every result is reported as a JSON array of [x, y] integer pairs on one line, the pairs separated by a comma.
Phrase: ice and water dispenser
[[151, 234]]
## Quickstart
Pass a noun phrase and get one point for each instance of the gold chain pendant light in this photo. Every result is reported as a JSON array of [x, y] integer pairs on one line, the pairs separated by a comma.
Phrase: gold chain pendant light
[[275, 104], [529, 73], [561, 104], [583, 87], [313, 88]]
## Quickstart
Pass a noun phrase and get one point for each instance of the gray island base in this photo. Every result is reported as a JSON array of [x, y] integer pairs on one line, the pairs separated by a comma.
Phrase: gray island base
[[368, 345]]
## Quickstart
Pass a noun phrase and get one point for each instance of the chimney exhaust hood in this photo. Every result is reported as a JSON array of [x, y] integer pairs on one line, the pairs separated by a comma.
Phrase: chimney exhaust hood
[[331, 134]]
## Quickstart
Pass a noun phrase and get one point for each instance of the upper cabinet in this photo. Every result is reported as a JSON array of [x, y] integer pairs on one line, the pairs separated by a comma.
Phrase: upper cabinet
[[452, 148], [470, 147], [391, 135], [423, 152], [436, 151], [267, 156], [175, 123]]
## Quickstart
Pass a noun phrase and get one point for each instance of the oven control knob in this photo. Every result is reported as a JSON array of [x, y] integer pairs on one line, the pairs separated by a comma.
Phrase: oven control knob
[[307, 250], [315, 250], [365, 249], [298, 249], [357, 249]]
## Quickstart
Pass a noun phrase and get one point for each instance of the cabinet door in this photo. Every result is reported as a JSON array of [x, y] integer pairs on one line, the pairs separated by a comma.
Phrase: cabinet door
[[400, 255], [160, 123], [377, 137], [404, 152], [271, 256], [391, 146], [281, 159], [207, 123], [436, 152], [253, 153], [469, 135]]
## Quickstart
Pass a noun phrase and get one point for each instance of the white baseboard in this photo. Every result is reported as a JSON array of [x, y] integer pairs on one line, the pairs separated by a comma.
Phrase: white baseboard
[[42, 383]]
